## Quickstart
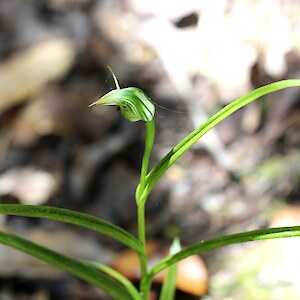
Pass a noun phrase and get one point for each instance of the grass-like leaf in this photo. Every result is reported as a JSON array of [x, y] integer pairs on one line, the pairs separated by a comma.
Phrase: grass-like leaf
[[169, 285], [118, 277], [256, 235], [72, 217], [70, 265], [194, 136]]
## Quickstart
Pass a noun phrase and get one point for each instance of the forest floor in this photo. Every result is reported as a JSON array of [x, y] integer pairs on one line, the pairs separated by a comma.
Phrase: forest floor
[[191, 59]]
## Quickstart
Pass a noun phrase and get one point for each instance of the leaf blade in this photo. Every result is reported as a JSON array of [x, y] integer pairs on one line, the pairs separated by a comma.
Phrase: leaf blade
[[243, 237], [68, 264], [72, 217], [117, 276], [169, 285], [176, 152]]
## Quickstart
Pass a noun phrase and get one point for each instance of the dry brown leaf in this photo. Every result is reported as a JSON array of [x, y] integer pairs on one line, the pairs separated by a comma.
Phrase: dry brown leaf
[[28, 71]]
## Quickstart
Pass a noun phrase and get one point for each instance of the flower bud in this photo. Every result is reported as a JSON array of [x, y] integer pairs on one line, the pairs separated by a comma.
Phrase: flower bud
[[134, 104]]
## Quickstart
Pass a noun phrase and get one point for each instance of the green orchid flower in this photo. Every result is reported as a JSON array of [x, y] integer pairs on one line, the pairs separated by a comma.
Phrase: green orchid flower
[[133, 103]]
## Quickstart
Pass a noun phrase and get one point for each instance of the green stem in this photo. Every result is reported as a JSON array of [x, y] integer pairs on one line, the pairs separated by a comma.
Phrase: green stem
[[150, 133], [142, 238], [141, 201]]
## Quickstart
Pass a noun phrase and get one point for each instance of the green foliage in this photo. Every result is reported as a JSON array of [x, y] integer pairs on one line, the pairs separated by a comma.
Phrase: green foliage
[[243, 237], [194, 136], [72, 217], [135, 105], [70, 265], [169, 285], [118, 277]]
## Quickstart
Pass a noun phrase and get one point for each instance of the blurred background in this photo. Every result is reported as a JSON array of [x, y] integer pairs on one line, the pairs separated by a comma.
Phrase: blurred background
[[191, 57]]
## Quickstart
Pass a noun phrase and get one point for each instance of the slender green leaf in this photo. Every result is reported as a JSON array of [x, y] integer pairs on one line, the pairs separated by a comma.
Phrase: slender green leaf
[[118, 277], [169, 285], [194, 136], [256, 235], [68, 264], [72, 217]]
